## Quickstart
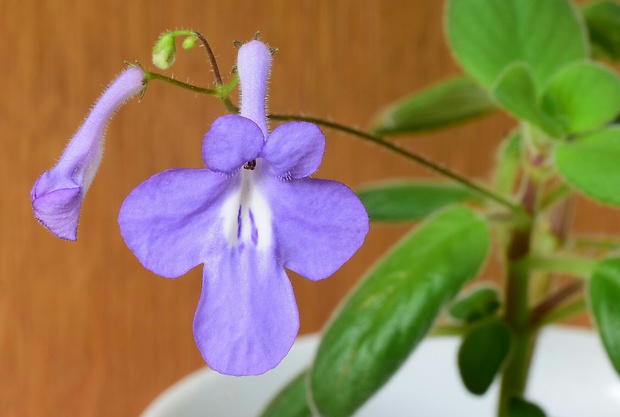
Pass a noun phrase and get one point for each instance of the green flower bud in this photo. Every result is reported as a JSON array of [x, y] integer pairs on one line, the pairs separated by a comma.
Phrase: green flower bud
[[189, 42], [164, 51]]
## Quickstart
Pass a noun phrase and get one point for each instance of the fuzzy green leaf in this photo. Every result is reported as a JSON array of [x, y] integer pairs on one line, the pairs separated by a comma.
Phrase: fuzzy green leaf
[[291, 401], [454, 100], [592, 164], [402, 201], [488, 35], [394, 306], [521, 408], [583, 96], [516, 92], [603, 22], [508, 164], [481, 355], [604, 293], [478, 304]]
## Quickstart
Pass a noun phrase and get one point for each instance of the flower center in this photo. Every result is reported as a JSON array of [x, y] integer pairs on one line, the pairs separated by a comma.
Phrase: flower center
[[250, 165], [246, 213]]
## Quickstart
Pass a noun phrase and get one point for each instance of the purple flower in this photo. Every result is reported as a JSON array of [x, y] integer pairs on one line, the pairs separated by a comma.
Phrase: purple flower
[[252, 213], [58, 193]]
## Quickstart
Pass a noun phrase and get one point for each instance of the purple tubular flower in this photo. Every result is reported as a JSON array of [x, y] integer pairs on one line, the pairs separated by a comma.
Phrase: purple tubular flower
[[251, 214], [58, 193]]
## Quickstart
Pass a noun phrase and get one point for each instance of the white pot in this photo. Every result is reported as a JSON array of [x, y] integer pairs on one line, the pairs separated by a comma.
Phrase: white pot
[[571, 377]]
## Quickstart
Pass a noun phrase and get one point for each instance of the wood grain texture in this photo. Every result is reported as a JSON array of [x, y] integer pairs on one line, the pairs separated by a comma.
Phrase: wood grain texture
[[84, 329]]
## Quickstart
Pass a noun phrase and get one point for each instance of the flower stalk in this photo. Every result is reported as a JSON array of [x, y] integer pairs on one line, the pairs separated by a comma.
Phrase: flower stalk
[[223, 94]]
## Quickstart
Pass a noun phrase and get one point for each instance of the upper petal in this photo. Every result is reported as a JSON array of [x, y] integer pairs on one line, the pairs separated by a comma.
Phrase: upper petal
[[253, 64], [295, 149], [319, 224], [172, 222], [247, 318], [231, 142]]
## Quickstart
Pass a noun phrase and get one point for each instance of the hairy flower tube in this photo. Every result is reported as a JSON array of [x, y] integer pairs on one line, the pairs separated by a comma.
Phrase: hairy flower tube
[[253, 212], [58, 193]]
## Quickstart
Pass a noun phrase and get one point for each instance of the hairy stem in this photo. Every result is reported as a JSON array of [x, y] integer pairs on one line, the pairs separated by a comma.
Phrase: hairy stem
[[403, 152], [212, 60], [230, 107], [149, 76]]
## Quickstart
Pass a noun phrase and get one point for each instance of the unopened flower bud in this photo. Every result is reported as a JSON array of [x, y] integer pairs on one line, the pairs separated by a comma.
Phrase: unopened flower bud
[[164, 51], [189, 42]]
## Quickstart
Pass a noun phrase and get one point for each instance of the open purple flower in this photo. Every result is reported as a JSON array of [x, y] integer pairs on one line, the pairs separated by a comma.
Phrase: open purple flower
[[58, 193], [252, 213]]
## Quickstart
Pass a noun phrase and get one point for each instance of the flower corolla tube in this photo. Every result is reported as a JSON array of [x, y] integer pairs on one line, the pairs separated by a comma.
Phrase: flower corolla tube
[[253, 212], [58, 193]]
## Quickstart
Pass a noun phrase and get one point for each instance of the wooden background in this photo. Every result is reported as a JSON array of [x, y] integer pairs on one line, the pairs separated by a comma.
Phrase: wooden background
[[84, 329]]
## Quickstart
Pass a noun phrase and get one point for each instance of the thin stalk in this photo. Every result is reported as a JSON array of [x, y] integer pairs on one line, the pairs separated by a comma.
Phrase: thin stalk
[[551, 303], [563, 312], [355, 132], [210, 54], [448, 330], [403, 152], [216, 70], [555, 196], [581, 267], [160, 77], [603, 243]]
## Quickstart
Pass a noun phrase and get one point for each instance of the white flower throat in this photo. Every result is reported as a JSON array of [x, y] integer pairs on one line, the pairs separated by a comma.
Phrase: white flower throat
[[246, 213]]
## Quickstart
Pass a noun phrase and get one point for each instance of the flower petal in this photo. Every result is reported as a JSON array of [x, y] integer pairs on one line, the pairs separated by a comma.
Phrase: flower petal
[[247, 318], [171, 222], [253, 64], [294, 149], [319, 224], [57, 208], [57, 195], [231, 142]]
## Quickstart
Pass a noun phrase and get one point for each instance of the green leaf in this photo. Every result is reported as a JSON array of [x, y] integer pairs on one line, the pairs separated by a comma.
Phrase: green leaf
[[521, 408], [488, 35], [291, 401], [394, 306], [451, 101], [604, 293], [401, 201], [478, 304], [592, 164], [603, 22], [481, 355], [583, 96], [508, 163], [517, 93]]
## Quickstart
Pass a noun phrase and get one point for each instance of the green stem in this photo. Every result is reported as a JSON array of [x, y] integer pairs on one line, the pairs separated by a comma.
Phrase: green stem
[[210, 54], [563, 312], [149, 76], [515, 374], [403, 152], [554, 197], [447, 330], [355, 132], [516, 315], [581, 267], [550, 304], [604, 243]]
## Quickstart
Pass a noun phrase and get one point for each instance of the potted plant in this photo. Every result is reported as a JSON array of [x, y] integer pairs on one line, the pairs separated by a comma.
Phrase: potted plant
[[543, 62]]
